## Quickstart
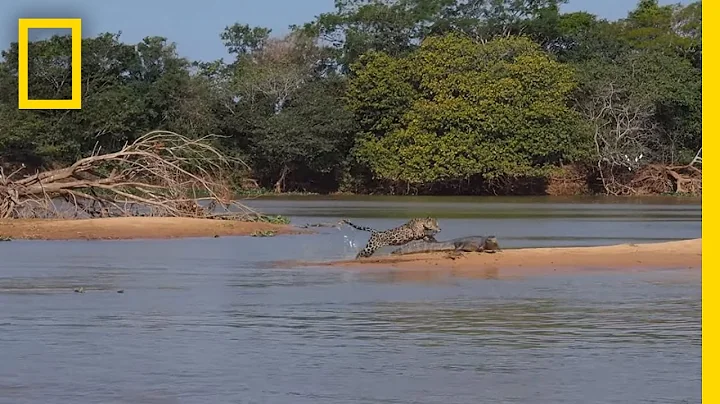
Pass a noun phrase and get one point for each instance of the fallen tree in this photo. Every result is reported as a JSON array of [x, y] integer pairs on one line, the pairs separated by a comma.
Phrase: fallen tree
[[654, 179], [657, 179], [160, 174]]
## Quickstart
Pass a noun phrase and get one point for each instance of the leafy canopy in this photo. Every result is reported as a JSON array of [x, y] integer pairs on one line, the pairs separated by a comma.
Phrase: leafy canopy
[[458, 108]]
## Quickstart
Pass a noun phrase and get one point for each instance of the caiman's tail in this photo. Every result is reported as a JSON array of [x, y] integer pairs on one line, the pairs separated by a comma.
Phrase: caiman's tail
[[420, 246], [371, 230]]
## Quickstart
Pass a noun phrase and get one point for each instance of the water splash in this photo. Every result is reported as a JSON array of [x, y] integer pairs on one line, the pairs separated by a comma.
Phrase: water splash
[[350, 245]]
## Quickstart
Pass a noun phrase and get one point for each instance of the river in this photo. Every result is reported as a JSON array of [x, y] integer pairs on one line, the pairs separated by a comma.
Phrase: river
[[216, 321]]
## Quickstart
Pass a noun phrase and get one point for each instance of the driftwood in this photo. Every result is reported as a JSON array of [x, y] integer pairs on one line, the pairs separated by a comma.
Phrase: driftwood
[[160, 174], [685, 179], [654, 179]]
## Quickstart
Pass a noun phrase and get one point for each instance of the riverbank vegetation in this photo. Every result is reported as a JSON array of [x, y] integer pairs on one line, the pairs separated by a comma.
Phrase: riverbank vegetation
[[388, 96]]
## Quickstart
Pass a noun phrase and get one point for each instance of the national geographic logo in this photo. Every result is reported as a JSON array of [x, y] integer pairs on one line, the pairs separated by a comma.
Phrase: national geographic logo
[[75, 26]]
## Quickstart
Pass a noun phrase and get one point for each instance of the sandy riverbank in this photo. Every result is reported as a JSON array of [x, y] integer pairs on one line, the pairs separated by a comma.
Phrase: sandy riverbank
[[133, 228], [685, 254]]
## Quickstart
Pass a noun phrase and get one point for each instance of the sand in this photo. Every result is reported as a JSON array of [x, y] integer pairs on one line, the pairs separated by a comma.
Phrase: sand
[[133, 228], [685, 254]]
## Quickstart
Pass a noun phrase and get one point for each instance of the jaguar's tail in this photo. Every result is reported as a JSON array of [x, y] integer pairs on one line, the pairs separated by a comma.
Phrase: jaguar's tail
[[371, 230]]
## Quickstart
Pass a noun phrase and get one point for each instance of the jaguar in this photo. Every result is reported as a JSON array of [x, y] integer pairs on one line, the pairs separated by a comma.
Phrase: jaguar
[[421, 228]]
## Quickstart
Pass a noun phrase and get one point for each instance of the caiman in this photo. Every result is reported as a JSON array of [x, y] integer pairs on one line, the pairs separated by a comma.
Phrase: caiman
[[455, 246]]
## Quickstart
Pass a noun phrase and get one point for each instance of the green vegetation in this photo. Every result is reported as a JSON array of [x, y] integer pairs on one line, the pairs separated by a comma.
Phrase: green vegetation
[[279, 219], [469, 109], [395, 96]]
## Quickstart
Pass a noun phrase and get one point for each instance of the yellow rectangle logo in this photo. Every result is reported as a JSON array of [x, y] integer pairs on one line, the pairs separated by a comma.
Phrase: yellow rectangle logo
[[26, 24]]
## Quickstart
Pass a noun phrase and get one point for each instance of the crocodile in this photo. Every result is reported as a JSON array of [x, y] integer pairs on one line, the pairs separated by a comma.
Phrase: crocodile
[[455, 246]]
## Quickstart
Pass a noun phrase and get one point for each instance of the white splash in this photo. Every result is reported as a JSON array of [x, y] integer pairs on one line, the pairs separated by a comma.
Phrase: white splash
[[351, 248], [349, 242]]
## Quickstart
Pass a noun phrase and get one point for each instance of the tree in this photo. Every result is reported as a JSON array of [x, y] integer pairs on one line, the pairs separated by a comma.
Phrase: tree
[[37, 137], [673, 29], [127, 91], [282, 107], [644, 107], [576, 37], [308, 140], [435, 95], [397, 27], [279, 69], [241, 39], [493, 110]]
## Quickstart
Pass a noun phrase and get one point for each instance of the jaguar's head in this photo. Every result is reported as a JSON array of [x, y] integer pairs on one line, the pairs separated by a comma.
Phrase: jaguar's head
[[426, 225]]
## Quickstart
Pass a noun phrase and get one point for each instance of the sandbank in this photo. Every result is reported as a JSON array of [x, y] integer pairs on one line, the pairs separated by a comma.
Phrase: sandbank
[[134, 228], [683, 254]]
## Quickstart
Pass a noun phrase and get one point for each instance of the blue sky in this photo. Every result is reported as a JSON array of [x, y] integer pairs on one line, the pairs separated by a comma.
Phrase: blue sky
[[195, 26]]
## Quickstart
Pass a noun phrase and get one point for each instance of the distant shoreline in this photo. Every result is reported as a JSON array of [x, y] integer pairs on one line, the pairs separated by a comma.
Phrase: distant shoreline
[[684, 254], [338, 194], [120, 228]]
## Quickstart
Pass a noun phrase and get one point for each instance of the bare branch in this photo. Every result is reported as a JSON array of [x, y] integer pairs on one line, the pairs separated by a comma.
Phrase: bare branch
[[161, 174], [626, 135]]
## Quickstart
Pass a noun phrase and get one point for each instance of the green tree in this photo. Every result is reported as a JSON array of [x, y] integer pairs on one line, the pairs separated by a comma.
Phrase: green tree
[[493, 110], [671, 28], [575, 37], [127, 91], [241, 39], [37, 137], [397, 27], [306, 144], [282, 109]]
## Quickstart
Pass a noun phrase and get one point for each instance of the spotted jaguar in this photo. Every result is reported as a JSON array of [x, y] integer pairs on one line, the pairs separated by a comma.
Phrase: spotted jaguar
[[424, 228]]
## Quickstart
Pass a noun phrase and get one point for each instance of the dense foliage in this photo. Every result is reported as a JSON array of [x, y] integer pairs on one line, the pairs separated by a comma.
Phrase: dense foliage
[[388, 95], [494, 109]]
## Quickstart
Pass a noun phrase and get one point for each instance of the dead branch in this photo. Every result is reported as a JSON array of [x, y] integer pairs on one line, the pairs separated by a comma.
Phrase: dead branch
[[280, 183], [697, 159], [160, 174]]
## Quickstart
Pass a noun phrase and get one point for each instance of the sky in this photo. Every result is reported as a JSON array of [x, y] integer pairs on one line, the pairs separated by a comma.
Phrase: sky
[[195, 26]]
